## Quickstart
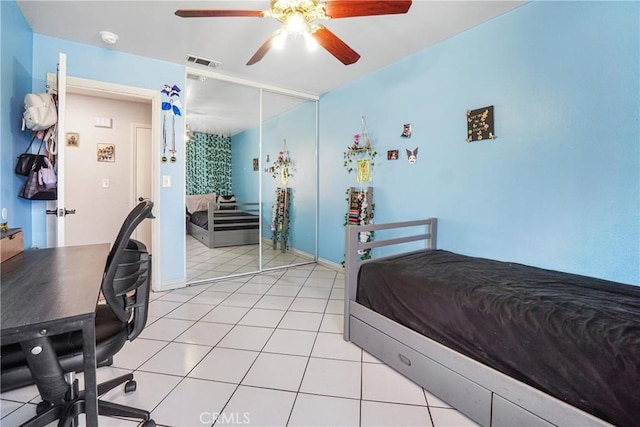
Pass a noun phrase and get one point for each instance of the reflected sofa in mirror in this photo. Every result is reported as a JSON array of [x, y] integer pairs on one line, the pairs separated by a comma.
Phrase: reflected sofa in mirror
[[289, 180], [222, 191]]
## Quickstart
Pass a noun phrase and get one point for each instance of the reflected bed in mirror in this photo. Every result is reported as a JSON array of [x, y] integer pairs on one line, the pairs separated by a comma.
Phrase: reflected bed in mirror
[[223, 231], [223, 236]]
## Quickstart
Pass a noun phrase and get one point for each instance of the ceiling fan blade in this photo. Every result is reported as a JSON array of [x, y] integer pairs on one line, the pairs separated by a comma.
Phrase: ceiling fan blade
[[262, 50], [209, 13], [335, 46], [352, 8]]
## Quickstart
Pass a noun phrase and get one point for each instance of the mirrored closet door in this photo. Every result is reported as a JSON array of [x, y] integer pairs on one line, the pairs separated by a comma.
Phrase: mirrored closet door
[[251, 179], [222, 187]]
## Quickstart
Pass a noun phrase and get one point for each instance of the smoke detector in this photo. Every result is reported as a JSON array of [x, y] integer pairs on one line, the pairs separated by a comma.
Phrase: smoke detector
[[108, 37]]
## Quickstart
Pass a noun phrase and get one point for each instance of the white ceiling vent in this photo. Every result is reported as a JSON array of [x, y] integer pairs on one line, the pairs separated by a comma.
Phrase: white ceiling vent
[[192, 59]]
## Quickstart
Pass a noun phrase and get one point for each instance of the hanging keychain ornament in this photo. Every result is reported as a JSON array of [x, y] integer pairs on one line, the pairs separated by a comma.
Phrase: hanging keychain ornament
[[175, 109], [171, 106], [166, 106], [164, 139]]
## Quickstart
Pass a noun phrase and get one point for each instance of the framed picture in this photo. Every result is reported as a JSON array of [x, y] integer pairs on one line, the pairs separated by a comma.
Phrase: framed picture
[[392, 155], [406, 130], [480, 124], [255, 164], [73, 139], [106, 152]]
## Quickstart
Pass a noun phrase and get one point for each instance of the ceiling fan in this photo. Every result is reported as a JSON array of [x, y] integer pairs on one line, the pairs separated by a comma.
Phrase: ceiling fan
[[297, 17]]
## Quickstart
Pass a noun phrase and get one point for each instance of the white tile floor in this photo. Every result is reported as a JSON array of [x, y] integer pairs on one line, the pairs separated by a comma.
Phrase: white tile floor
[[263, 350], [204, 263]]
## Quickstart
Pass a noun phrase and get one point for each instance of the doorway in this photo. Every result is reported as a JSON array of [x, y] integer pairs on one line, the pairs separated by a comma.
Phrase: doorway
[[103, 189], [65, 86]]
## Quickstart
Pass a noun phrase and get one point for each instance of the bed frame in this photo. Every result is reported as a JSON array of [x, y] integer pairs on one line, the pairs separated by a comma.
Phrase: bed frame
[[483, 394], [228, 236]]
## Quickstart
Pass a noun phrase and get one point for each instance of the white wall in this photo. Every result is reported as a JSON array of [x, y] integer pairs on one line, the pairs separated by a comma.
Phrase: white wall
[[99, 211]]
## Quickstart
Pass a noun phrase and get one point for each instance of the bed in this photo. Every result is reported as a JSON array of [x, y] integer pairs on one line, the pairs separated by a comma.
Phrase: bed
[[505, 344], [229, 224]]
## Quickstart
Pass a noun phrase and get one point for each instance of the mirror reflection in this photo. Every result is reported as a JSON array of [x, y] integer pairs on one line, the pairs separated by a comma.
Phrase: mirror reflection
[[222, 188], [289, 180]]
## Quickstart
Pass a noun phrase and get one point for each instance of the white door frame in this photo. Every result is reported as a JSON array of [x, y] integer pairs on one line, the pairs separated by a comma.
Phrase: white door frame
[[111, 90]]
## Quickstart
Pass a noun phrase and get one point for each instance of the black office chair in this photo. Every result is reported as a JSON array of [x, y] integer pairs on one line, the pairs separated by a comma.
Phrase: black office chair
[[44, 361]]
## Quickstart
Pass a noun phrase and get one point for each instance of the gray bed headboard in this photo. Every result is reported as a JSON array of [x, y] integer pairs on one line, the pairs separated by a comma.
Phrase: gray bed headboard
[[353, 245]]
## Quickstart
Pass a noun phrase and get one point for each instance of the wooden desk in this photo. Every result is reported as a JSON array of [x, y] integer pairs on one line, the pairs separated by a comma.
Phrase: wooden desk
[[52, 291]]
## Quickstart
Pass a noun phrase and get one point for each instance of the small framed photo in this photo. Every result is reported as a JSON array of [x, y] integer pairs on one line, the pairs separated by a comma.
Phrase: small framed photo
[[255, 164], [406, 130], [392, 155], [106, 152], [73, 139]]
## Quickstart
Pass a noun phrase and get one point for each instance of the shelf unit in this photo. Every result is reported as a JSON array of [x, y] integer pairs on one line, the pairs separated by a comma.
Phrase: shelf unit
[[281, 219]]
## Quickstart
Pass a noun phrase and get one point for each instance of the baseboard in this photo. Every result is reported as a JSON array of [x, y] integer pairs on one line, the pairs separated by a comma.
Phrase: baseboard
[[167, 285], [330, 264]]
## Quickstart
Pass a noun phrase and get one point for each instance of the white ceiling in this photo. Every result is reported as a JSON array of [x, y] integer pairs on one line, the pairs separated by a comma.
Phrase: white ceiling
[[150, 28]]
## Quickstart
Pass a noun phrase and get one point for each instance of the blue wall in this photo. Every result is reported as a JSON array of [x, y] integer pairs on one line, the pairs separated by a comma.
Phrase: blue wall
[[559, 187], [109, 66], [245, 147], [16, 53]]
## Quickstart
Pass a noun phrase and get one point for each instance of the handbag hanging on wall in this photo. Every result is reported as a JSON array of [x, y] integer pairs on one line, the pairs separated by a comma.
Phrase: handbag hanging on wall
[[29, 161], [40, 111], [34, 190], [47, 175]]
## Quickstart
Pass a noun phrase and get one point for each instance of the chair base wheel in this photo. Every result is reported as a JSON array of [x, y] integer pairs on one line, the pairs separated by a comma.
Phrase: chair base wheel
[[130, 386], [149, 423]]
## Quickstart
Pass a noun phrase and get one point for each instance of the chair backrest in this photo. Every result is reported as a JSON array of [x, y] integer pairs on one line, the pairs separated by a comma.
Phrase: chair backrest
[[127, 277]]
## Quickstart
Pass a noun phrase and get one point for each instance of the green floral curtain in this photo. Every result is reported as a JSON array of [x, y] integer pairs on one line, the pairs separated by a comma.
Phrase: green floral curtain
[[208, 164]]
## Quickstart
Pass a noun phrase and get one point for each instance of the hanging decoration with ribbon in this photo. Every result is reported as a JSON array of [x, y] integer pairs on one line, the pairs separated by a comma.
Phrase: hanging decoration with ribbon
[[362, 153], [283, 165], [171, 106], [359, 158]]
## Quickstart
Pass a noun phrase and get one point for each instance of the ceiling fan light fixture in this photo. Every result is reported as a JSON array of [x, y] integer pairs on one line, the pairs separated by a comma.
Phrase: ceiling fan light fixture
[[298, 17], [296, 24]]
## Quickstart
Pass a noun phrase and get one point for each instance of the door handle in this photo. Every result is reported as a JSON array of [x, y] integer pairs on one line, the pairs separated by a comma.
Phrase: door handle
[[141, 199], [60, 212]]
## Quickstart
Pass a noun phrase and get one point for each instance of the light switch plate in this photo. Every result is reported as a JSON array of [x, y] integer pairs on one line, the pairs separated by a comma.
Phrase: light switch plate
[[166, 180], [105, 183], [102, 122]]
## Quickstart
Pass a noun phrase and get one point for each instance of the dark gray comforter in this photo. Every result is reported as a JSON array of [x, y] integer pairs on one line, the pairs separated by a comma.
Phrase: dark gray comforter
[[574, 337]]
